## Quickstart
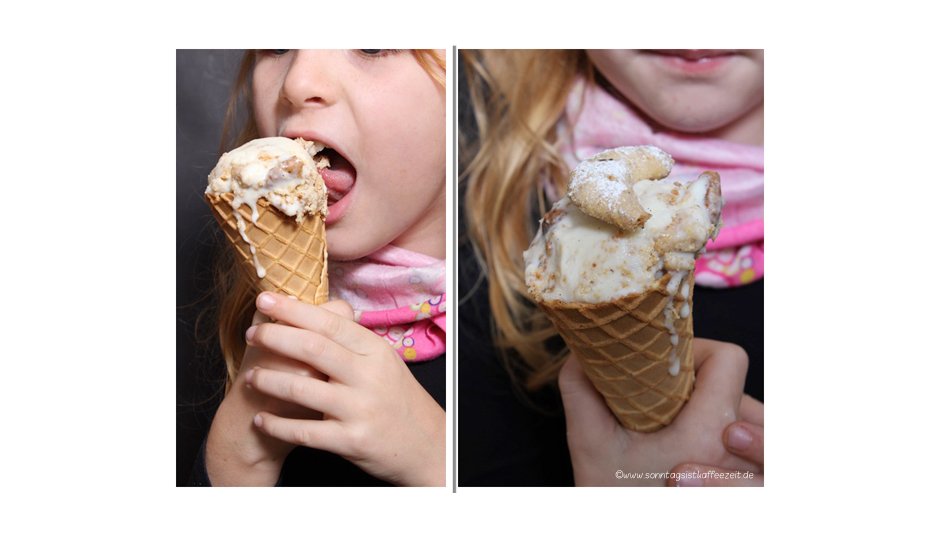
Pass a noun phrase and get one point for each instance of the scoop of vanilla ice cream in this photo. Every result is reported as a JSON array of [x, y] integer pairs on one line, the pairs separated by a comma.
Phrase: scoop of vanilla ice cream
[[283, 171], [579, 258]]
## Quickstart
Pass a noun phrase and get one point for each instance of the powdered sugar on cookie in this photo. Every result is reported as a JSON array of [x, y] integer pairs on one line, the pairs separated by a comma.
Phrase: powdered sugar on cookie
[[621, 228]]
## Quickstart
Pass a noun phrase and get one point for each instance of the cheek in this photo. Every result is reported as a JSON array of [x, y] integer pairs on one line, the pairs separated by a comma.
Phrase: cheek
[[731, 96], [265, 90], [408, 141]]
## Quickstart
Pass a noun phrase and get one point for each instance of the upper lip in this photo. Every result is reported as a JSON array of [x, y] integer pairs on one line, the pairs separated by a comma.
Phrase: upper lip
[[312, 136], [694, 54]]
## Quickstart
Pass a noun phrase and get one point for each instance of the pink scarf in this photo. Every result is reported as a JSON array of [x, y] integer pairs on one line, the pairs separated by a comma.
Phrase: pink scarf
[[736, 256], [399, 295]]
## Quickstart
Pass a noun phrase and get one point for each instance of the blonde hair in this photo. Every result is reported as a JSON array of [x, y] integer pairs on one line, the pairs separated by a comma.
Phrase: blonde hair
[[518, 101], [235, 294]]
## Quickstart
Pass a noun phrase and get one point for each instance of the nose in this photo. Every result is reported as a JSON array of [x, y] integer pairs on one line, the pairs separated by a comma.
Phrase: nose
[[309, 80]]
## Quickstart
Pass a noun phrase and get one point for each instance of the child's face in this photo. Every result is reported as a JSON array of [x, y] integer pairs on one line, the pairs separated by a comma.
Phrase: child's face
[[694, 91], [382, 115]]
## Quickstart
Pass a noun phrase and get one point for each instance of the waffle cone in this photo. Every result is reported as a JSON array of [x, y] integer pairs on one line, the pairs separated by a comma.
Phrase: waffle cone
[[625, 348], [293, 255]]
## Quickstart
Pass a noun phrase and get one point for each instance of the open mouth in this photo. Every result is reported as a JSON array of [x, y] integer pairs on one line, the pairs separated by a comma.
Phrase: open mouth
[[339, 177]]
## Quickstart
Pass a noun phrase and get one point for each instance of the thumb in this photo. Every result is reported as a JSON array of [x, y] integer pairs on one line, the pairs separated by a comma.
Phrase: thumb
[[586, 414]]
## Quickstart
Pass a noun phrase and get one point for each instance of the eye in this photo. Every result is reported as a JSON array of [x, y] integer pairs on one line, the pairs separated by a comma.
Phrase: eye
[[276, 51], [377, 52]]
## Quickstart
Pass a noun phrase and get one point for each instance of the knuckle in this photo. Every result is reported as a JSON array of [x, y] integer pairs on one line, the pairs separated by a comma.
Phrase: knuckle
[[739, 355], [259, 377], [370, 406], [262, 333], [735, 354], [332, 325], [296, 390], [357, 406], [344, 309], [300, 436], [358, 438], [373, 379], [313, 346]]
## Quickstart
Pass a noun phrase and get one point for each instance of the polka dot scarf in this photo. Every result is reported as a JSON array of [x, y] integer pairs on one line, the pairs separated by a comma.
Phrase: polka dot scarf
[[399, 295]]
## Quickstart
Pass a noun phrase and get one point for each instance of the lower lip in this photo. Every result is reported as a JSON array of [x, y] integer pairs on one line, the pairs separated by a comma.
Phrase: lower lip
[[702, 66], [337, 209]]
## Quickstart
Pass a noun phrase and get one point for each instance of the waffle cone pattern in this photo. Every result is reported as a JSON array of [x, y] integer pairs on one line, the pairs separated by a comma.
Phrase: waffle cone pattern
[[625, 348], [293, 255]]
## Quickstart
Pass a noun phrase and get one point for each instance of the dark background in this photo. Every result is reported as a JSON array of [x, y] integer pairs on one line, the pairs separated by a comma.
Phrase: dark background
[[204, 80]]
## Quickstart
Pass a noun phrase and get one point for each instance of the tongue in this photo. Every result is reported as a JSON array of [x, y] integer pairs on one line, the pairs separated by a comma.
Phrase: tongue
[[340, 176]]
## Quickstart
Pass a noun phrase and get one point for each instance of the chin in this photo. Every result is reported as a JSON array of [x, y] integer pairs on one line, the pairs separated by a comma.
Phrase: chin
[[340, 247], [693, 125], [712, 114], [346, 252]]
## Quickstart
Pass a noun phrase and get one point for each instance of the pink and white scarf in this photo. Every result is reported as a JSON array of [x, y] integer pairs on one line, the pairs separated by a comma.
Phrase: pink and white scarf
[[399, 295], [736, 256]]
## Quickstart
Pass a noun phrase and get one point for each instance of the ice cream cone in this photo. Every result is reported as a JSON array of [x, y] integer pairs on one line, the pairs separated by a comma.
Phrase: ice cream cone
[[626, 348], [292, 255]]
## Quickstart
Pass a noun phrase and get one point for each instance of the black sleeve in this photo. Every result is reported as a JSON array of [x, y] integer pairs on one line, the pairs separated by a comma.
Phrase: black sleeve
[[199, 476], [735, 315]]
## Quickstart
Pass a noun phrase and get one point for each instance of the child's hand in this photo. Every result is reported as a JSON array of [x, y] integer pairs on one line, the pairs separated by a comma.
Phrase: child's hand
[[604, 453], [375, 413], [744, 438], [237, 453]]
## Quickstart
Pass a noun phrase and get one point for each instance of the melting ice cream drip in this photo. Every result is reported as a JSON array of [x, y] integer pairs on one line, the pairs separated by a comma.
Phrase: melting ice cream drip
[[676, 281], [280, 170], [241, 231]]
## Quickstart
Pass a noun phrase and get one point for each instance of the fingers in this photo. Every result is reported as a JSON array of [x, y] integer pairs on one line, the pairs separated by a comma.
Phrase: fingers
[[700, 475], [339, 307], [752, 410], [586, 413], [259, 318], [333, 321], [746, 440], [313, 349], [327, 435], [307, 392], [720, 369]]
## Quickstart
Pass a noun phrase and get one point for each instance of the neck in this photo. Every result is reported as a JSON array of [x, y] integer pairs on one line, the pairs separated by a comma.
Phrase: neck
[[428, 236]]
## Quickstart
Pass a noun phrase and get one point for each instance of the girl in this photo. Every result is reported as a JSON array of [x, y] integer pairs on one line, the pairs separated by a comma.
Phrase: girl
[[349, 381], [538, 114]]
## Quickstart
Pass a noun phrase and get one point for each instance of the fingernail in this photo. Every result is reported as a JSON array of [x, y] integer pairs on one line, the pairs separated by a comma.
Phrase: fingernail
[[257, 420], [265, 301], [250, 332], [739, 438], [689, 482]]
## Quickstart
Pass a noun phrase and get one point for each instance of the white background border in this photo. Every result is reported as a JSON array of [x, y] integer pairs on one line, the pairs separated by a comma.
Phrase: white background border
[[851, 199]]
